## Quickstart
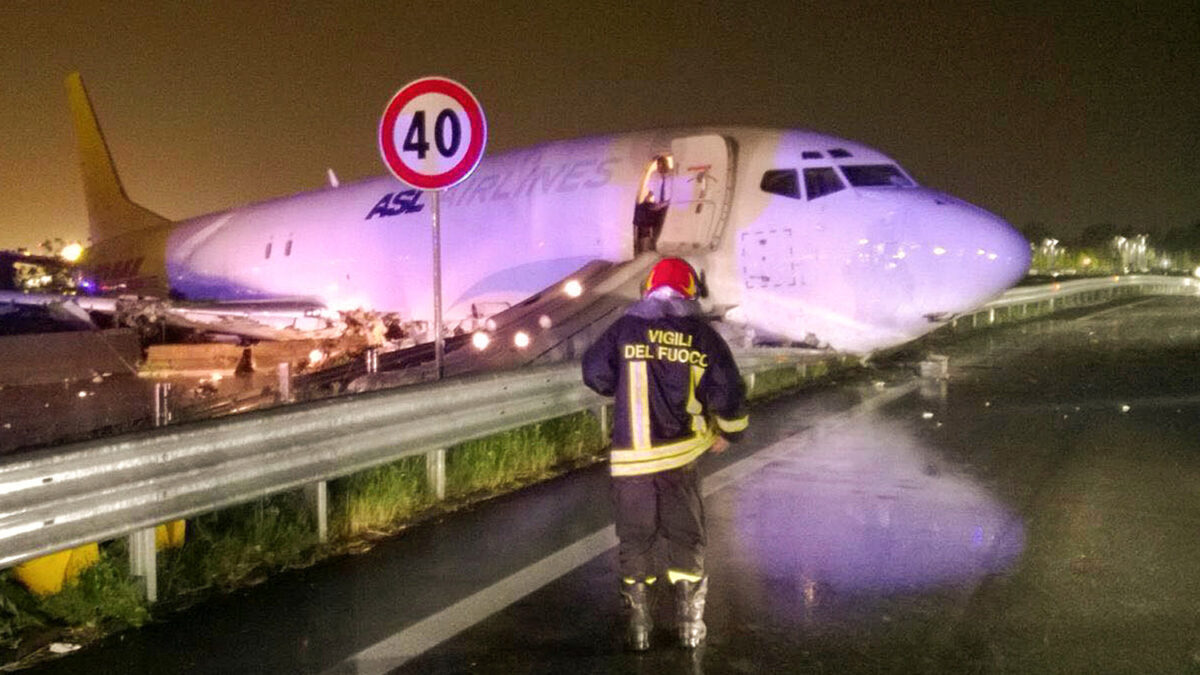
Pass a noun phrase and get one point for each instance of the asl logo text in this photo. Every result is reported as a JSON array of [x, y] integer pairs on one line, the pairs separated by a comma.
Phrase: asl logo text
[[394, 204]]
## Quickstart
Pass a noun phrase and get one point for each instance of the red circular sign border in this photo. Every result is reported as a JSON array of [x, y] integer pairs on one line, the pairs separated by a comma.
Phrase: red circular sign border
[[387, 128]]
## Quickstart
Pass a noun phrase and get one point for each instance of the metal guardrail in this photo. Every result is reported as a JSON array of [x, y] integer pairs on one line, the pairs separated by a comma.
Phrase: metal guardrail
[[1028, 301], [63, 497]]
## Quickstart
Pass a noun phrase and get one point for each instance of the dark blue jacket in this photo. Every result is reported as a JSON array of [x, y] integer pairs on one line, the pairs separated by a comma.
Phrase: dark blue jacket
[[675, 383]]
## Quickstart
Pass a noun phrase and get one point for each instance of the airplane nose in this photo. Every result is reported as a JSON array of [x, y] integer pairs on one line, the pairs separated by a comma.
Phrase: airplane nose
[[1002, 255], [974, 254]]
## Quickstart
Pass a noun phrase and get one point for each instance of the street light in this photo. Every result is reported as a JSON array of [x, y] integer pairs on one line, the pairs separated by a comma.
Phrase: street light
[[72, 252]]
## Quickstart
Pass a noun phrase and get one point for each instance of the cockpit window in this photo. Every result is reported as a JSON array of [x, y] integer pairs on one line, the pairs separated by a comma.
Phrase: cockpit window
[[810, 154], [875, 175], [839, 153], [784, 182], [821, 182]]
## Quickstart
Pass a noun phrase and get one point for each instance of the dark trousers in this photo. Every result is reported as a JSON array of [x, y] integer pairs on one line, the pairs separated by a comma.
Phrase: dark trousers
[[666, 506]]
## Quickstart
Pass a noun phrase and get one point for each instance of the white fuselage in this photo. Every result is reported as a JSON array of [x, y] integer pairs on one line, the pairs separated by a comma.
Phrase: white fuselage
[[874, 263]]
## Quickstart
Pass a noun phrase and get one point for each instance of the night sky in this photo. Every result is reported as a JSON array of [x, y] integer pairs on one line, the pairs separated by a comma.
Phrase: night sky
[[1071, 114]]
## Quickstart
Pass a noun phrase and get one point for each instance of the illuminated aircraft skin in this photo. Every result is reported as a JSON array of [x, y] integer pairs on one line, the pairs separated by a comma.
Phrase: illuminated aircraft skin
[[803, 237]]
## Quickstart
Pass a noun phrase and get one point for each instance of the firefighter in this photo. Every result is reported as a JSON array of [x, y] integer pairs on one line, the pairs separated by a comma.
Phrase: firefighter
[[677, 395]]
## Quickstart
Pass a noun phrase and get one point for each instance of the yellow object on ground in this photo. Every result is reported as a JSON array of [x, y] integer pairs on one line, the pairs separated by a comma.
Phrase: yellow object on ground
[[47, 574], [81, 558], [170, 535]]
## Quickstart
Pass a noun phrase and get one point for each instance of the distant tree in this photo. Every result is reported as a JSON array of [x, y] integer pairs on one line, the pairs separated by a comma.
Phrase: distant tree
[[53, 247]]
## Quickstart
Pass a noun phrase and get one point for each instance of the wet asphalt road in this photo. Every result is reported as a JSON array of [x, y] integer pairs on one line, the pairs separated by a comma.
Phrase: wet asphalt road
[[1039, 513]]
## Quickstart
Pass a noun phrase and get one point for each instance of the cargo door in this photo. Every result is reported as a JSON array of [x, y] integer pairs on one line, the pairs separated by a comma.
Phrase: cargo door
[[701, 192]]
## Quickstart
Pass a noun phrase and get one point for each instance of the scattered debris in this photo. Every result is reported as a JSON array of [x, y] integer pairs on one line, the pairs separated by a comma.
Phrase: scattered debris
[[810, 593], [62, 647], [927, 415]]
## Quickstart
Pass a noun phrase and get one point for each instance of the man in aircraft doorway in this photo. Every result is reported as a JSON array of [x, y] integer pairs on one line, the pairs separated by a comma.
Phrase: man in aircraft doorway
[[677, 394], [651, 211], [648, 219]]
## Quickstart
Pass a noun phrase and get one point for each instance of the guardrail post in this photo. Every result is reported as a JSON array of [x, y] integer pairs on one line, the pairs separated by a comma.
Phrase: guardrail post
[[162, 403], [602, 415], [285, 382], [991, 316], [749, 383], [142, 561], [435, 472], [372, 359], [317, 496]]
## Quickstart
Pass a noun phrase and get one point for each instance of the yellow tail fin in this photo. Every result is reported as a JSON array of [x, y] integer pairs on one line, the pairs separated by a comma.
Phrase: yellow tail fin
[[110, 211]]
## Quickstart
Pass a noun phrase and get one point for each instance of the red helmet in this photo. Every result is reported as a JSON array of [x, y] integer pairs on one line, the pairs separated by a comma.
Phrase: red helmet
[[676, 273]]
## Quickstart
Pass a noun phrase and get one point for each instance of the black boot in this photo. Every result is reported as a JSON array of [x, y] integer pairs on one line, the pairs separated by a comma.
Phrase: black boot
[[637, 604], [689, 611]]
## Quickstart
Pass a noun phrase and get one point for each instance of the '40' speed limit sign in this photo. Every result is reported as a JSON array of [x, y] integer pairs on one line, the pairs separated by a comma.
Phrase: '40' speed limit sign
[[432, 133]]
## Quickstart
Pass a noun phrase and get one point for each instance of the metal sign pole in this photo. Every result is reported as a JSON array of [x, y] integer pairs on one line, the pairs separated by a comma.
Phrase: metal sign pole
[[405, 152], [438, 345]]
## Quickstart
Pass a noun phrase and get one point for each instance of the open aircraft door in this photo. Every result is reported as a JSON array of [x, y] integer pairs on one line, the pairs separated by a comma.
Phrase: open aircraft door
[[701, 193]]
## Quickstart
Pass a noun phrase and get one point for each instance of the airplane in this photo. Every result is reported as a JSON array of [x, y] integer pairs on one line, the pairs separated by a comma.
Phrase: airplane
[[802, 237]]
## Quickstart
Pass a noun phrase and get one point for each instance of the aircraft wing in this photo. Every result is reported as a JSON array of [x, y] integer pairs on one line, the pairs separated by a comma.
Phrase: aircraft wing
[[274, 320], [87, 303]]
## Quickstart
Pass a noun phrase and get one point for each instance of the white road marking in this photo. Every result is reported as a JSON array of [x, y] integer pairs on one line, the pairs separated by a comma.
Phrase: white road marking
[[390, 653]]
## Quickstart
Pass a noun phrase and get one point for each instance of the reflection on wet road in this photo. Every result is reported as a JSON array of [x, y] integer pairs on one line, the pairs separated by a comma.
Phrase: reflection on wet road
[[862, 508], [1037, 514]]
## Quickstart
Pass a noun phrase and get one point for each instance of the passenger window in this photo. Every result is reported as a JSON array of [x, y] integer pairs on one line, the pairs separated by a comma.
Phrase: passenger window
[[839, 153], [810, 154], [784, 182], [821, 182]]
